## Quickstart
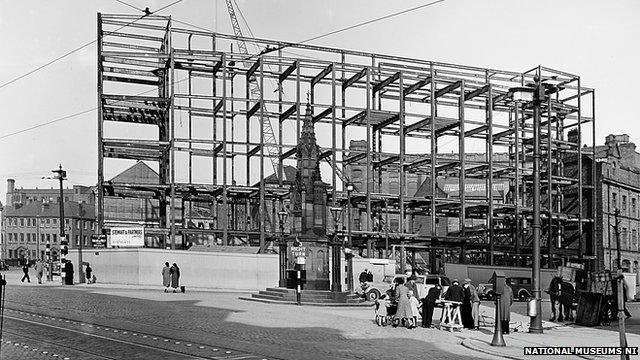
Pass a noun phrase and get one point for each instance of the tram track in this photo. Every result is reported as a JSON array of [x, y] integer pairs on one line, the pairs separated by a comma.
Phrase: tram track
[[117, 336]]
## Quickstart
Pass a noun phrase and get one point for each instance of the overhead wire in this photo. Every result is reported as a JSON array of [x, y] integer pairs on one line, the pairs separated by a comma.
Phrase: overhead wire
[[84, 45], [195, 26]]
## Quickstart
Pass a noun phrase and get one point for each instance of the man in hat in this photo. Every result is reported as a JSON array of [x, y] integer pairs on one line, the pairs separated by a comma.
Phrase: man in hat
[[470, 305], [455, 292]]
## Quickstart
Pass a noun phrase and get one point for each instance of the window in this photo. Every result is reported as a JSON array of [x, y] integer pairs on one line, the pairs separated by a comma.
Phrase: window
[[624, 202], [54, 221], [624, 237], [55, 238], [633, 207], [77, 240], [42, 238], [78, 224], [66, 222], [614, 200], [10, 237], [28, 237], [634, 239], [84, 240], [48, 237], [86, 225], [21, 237], [21, 222], [47, 221]]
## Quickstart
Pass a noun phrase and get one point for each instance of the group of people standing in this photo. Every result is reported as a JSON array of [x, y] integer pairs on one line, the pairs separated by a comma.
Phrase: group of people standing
[[67, 265], [405, 295], [171, 277]]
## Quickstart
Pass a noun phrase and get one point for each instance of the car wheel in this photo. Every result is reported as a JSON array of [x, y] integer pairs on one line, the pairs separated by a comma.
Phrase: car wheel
[[490, 296], [523, 296], [373, 295]]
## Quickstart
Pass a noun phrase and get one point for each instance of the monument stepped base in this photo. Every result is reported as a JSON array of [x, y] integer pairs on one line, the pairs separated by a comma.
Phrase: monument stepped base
[[307, 297]]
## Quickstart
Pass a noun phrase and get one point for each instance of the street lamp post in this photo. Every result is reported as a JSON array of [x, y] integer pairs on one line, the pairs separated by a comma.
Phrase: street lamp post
[[61, 175], [336, 281], [282, 249], [534, 95], [349, 257]]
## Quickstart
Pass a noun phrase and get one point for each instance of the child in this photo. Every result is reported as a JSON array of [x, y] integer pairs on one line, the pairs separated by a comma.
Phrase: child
[[381, 310], [414, 309]]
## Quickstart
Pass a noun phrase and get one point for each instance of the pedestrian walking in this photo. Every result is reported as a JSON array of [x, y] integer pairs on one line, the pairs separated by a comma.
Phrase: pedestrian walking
[[175, 277], [25, 270], [68, 271], [505, 307], [89, 271], [166, 276], [39, 270], [428, 304]]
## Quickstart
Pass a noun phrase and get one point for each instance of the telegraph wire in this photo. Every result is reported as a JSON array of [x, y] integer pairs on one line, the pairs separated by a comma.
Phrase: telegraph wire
[[195, 26], [146, 13]]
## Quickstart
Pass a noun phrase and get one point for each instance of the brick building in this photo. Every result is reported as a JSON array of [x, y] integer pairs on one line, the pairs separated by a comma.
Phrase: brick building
[[618, 198], [32, 217]]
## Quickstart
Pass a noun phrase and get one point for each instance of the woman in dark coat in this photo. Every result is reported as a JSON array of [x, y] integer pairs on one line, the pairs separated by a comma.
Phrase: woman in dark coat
[[68, 271], [175, 277], [428, 304], [466, 308]]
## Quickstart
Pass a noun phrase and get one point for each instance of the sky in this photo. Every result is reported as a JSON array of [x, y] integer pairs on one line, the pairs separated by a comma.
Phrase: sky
[[595, 39]]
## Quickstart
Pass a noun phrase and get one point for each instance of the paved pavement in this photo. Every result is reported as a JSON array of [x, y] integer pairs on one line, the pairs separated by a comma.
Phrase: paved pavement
[[277, 331]]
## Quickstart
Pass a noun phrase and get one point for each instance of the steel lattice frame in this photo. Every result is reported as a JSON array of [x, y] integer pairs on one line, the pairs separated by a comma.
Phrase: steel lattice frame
[[388, 101]]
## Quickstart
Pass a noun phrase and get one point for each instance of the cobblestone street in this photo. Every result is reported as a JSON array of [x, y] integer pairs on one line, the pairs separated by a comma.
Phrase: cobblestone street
[[221, 320]]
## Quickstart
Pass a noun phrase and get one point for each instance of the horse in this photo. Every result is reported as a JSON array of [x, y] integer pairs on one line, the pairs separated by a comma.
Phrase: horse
[[564, 294]]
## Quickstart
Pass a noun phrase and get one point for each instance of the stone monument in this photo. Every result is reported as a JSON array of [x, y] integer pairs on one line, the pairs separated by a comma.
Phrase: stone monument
[[309, 210]]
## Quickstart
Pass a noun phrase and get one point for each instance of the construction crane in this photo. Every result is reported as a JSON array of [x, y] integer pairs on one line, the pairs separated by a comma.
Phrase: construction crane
[[256, 91]]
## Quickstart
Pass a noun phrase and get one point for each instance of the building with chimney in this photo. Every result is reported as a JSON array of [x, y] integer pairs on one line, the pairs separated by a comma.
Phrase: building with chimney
[[618, 203], [31, 219]]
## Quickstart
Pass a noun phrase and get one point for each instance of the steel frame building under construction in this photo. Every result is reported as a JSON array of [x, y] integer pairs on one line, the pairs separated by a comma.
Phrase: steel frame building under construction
[[226, 121]]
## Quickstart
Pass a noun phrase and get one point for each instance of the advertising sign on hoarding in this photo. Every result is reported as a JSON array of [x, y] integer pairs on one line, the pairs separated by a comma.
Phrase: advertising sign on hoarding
[[126, 237]]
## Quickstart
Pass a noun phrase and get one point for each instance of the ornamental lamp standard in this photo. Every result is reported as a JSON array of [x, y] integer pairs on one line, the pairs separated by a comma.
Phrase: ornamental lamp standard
[[61, 175], [336, 281], [534, 95], [282, 248], [349, 256]]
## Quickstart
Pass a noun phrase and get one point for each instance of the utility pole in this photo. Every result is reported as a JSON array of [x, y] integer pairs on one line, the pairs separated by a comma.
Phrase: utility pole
[[61, 175], [619, 279], [81, 213]]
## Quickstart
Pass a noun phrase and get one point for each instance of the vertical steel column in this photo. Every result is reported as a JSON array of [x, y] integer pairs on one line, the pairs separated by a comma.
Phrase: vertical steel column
[[172, 164], [401, 115], [334, 164], [518, 226], [489, 189], [100, 132], [189, 119], [225, 204], [549, 184], [594, 246], [461, 176], [280, 124], [261, 209], [581, 244], [368, 154], [434, 142]]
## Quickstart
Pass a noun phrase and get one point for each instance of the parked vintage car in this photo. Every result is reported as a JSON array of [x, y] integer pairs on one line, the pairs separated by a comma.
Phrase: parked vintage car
[[522, 288], [372, 290]]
